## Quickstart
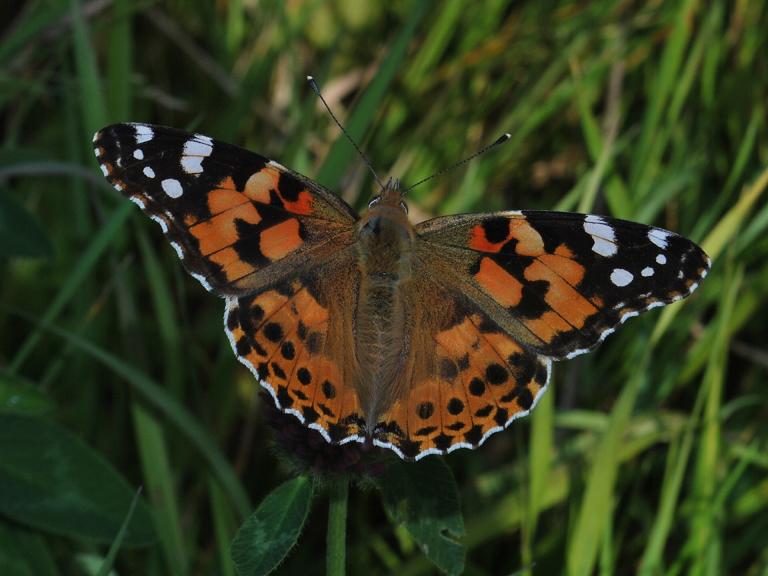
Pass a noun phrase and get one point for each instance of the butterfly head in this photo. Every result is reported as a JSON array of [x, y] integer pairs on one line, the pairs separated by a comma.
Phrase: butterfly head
[[386, 221], [391, 195]]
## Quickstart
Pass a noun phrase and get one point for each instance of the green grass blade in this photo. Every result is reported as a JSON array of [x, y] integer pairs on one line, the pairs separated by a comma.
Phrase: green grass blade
[[342, 153], [79, 274], [114, 548]]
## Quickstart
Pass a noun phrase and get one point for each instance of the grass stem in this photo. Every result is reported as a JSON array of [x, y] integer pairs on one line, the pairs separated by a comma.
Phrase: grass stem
[[336, 550]]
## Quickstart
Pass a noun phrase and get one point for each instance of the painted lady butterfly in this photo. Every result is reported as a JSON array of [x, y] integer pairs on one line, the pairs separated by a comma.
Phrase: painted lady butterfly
[[422, 339]]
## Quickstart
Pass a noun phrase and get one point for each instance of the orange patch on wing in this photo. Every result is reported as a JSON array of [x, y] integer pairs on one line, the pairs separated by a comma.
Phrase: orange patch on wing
[[220, 231], [478, 241], [303, 205], [529, 241], [311, 312], [548, 325], [561, 296], [261, 183], [503, 344], [569, 270], [423, 410], [234, 266], [280, 239], [222, 199], [503, 287], [227, 184], [458, 339], [563, 251], [270, 301]]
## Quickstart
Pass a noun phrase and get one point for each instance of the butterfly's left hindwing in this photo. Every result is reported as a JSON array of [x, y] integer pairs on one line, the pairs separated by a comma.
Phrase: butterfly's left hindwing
[[237, 220], [561, 282]]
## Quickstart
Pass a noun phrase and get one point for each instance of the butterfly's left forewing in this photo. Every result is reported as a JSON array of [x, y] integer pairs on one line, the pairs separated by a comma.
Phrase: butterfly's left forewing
[[236, 219], [561, 282]]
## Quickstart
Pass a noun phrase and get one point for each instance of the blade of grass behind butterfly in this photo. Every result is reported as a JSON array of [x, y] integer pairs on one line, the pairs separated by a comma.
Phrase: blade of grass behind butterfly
[[120, 62], [705, 524], [224, 526], [442, 29], [83, 107], [252, 85], [656, 161], [150, 438], [78, 275], [367, 108], [601, 144], [747, 149], [678, 458], [114, 548], [540, 454], [599, 496], [661, 90]]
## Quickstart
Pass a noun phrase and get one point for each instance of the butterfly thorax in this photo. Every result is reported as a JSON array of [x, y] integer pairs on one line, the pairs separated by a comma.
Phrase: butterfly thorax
[[385, 257]]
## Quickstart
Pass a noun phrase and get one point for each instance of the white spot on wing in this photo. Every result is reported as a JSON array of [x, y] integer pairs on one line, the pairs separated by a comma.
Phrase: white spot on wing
[[198, 146], [104, 170], [621, 277], [646, 272], [138, 201], [659, 237], [179, 252], [138, 154], [144, 133], [172, 187], [603, 247], [661, 259], [192, 164], [195, 150], [602, 234], [148, 172]]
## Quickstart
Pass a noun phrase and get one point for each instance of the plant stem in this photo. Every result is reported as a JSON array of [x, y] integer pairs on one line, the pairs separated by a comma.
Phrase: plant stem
[[336, 551]]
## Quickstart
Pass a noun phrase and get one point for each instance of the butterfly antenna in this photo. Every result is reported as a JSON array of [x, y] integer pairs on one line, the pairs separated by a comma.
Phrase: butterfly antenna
[[362, 155], [498, 142]]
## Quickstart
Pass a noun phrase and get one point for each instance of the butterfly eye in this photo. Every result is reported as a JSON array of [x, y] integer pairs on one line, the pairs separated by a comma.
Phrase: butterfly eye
[[404, 207], [373, 202]]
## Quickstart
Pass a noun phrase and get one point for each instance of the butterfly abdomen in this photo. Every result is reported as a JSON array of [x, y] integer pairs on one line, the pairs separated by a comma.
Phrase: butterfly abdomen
[[385, 256]]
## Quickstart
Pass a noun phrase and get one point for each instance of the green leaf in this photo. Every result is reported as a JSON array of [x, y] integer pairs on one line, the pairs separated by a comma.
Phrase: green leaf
[[20, 234], [425, 497], [49, 479], [24, 399], [23, 553], [265, 539]]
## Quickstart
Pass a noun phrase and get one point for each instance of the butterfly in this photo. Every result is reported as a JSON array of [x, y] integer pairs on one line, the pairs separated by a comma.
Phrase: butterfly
[[418, 338]]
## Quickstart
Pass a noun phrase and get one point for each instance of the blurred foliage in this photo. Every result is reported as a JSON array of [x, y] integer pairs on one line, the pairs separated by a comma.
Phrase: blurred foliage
[[648, 456]]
